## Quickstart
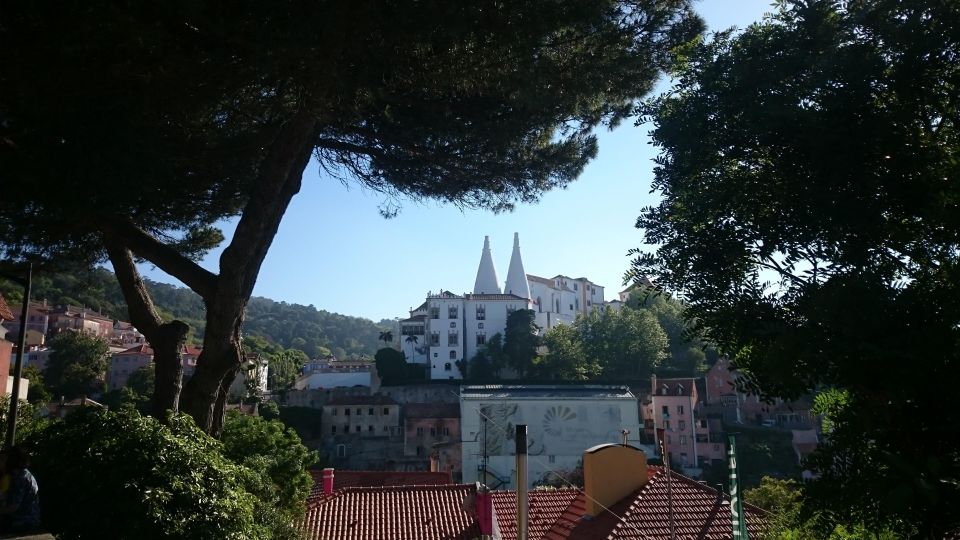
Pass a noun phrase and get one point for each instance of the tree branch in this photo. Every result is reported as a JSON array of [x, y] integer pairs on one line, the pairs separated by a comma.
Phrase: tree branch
[[280, 177], [163, 255], [143, 314]]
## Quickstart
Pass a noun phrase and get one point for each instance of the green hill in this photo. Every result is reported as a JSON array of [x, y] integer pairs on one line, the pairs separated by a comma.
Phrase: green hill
[[295, 326]]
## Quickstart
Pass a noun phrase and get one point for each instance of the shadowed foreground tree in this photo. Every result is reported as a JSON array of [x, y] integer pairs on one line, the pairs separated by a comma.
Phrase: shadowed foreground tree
[[811, 220], [76, 365], [182, 115]]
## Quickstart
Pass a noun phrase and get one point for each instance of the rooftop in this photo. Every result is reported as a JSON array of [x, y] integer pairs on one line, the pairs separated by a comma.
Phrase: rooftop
[[376, 399], [393, 513], [577, 391], [355, 479], [5, 313], [440, 512], [675, 387]]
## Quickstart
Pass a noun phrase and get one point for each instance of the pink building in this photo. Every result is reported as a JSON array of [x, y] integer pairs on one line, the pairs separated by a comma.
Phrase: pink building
[[432, 432], [125, 363], [675, 408]]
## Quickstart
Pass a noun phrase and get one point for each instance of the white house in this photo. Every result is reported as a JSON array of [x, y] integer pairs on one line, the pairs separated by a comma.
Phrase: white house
[[561, 421], [448, 328]]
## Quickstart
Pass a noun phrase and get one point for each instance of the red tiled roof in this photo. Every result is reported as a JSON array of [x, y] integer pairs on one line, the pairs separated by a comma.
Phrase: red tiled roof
[[431, 410], [545, 508], [675, 387], [192, 350], [5, 313], [559, 514], [393, 513], [139, 349], [350, 479]]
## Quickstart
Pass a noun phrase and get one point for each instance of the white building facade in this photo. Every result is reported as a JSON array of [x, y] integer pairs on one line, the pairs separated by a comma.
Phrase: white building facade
[[562, 421], [448, 328]]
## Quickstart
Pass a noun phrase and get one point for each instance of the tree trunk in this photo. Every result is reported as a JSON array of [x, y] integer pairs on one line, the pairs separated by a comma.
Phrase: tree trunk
[[221, 355], [219, 410], [226, 294], [167, 346], [166, 339]]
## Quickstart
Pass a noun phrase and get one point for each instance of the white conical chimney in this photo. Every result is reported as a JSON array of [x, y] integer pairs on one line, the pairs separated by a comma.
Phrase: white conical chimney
[[516, 275], [487, 281]]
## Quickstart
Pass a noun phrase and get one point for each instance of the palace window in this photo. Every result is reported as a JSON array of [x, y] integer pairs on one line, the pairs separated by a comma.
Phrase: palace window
[[358, 429], [453, 355], [435, 338], [370, 412], [679, 409], [434, 312], [333, 429], [481, 338], [370, 429], [386, 411], [480, 326], [481, 313], [681, 425], [359, 411], [453, 339], [666, 424], [452, 312], [453, 324]]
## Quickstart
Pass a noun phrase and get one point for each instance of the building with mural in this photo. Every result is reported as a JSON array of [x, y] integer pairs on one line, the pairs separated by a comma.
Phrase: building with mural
[[561, 421]]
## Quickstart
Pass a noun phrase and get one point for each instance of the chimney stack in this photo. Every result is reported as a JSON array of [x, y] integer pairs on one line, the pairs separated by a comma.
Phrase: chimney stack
[[521, 440], [484, 511], [328, 481]]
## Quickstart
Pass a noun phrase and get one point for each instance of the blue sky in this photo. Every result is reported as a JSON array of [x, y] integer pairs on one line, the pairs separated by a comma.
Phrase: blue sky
[[336, 252]]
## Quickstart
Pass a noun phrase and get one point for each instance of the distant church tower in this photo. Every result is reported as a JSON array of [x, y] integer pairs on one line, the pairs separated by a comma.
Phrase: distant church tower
[[487, 280], [516, 276]]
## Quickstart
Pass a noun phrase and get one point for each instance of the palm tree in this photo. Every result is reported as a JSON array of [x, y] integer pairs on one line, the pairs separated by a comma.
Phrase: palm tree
[[386, 336], [413, 342]]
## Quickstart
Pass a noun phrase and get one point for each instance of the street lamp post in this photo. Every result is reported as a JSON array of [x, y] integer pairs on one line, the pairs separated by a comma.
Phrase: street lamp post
[[21, 345]]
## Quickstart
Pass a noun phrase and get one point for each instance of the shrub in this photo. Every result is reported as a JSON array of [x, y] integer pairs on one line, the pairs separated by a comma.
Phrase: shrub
[[117, 474], [277, 461]]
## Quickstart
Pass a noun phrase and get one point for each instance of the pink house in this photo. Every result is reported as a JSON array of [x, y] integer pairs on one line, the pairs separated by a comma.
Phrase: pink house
[[674, 413], [125, 363]]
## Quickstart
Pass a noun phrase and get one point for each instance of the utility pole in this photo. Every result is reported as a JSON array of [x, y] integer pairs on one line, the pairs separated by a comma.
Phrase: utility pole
[[21, 345]]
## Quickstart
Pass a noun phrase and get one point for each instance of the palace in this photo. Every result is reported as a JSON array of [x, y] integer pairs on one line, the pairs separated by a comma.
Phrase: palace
[[448, 328]]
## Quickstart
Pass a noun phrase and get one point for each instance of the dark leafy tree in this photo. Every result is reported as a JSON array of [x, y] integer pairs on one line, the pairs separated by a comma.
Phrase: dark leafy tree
[[810, 219], [202, 113], [391, 364], [77, 365], [141, 381], [37, 392], [520, 341], [624, 343], [276, 452]]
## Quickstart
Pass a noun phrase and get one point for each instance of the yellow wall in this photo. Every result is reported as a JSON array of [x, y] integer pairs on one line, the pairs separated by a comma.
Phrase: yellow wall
[[610, 473]]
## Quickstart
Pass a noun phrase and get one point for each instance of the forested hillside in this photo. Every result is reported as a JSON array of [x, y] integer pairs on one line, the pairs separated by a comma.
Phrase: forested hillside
[[307, 328]]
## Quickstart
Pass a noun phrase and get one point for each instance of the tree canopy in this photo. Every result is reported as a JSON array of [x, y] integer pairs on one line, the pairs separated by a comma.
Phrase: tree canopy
[[76, 365], [811, 220], [200, 113]]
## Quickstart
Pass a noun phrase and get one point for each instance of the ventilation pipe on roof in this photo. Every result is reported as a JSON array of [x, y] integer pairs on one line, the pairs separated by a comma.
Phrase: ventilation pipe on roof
[[521, 440]]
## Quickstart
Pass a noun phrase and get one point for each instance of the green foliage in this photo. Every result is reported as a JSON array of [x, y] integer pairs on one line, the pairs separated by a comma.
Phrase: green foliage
[[117, 474], [141, 381], [269, 410], [810, 220], [565, 359], [276, 454], [520, 341], [605, 344], [28, 422], [391, 364], [688, 355], [37, 392], [76, 365]]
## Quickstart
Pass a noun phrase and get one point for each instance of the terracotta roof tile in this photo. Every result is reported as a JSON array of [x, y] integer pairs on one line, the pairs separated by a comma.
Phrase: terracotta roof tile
[[139, 349], [560, 514], [349, 479], [5, 313], [675, 387], [394, 513]]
